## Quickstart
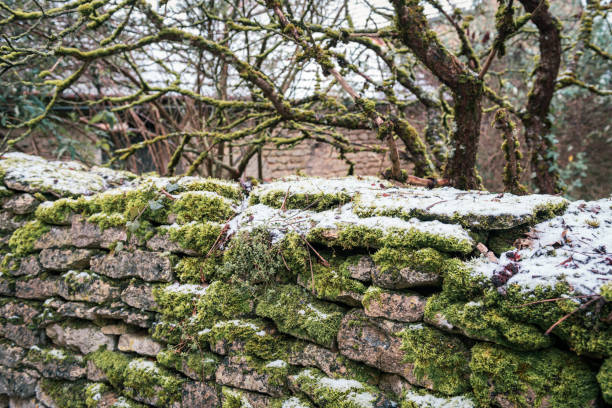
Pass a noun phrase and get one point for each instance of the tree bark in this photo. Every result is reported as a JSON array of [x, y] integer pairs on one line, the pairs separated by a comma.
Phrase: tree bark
[[536, 123], [465, 85]]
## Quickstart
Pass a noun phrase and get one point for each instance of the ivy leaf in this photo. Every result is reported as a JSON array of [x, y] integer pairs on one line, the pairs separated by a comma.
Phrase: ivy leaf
[[171, 187], [156, 205]]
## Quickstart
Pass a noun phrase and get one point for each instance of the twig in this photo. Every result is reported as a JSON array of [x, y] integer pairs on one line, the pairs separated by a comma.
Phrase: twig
[[567, 316]]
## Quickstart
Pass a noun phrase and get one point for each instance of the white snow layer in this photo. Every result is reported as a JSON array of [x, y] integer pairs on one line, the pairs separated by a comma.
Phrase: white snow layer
[[575, 248]]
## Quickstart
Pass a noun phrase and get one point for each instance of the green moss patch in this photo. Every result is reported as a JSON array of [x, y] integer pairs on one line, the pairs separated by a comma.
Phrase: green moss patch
[[200, 365], [437, 356], [604, 378], [65, 394], [298, 313], [144, 379], [22, 241], [196, 269], [201, 206], [551, 378], [199, 237]]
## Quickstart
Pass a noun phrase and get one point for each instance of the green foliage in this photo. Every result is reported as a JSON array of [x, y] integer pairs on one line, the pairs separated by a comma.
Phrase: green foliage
[[22, 241]]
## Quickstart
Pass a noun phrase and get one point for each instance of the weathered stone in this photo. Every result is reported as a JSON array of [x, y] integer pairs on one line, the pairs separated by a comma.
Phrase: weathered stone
[[87, 287], [45, 398], [394, 305], [21, 334], [117, 311], [56, 237], [16, 383], [15, 402], [116, 329], [6, 287], [235, 371], [21, 204], [10, 355], [18, 318], [394, 384], [88, 235], [65, 259], [199, 394], [148, 266], [93, 373], [27, 266], [9, 223], [404, 278], [86, 338], [139, 296], [347, 297], [311, 355], [56, 363], [363, 269], [37, 288], [164, 243], [139, 343], [373, 342]]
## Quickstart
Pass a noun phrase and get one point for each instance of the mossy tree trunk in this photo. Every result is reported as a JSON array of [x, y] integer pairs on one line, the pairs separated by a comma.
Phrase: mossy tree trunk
[[536, 122], [466, 87]]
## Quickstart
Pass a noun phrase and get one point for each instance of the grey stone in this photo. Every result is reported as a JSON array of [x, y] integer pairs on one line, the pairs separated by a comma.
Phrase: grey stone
[[148, 266], [86, 338], [23, 403], [235, 371], [394, 384], [199, 395], [56, 237], [45, 398], [9, 223], [311, 355], [18, 383], [164, 243], [87, 287], [395, 306], [94, 373], [254, 399], [115, 311], [28, 266], [21, 204], [116, 329], [404, 278], [363, 269], [373, 342], [21, 334], [37, 288], [139, 344], [88, 235], [11, 355], [65, 259], [139, 296], [56, 363]]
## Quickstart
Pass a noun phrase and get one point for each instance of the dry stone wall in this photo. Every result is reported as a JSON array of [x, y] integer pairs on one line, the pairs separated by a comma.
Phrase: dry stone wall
[[121, 291]]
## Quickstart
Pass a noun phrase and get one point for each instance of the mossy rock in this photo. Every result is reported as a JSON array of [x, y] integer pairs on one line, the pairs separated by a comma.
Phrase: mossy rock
[[176, 301], [477, 210], [201, 206], [111, 363], [65, 394], [147, 382], [22, 241], [339, 392], [604, 378], [195, 236], [222, 301], [478, 321], [299, 314], [421, 399], [440, 357], [545, 378], [196, 364], [193, 269]]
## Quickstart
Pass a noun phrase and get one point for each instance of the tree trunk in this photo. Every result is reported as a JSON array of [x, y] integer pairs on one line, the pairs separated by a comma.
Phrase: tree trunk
[[536, 123]]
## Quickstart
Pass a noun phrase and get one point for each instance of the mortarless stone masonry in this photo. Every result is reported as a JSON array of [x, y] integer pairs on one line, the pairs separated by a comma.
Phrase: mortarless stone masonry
[[120, 291]]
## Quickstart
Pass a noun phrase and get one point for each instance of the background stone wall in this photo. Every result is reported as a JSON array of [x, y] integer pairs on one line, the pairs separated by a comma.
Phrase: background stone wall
[[118, 291]]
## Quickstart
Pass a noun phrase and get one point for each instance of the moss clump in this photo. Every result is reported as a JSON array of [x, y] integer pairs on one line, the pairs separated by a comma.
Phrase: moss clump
[[551, 378], [65, 394], [94, 393], [197, 364], [201, 206], [112, 364], [503, 240], [299, 314], [348, 237], [224, 188], [318, 201], [337, 393], [606, 292], [373, 294], [604, 378], [167, 332], [330, 282], [105, 221], [437, 356], [223, 301], [252, 257], [54, 355], [414, 238], [196, 269], [426, 260], [56, 212], [253, 336], [479, 321], [22, 241], [145, 379], [460, 284], [176, 302], [199, 237]]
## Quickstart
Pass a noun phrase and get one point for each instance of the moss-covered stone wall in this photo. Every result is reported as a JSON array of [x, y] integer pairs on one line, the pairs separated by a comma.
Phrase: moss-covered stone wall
[[124, 291]]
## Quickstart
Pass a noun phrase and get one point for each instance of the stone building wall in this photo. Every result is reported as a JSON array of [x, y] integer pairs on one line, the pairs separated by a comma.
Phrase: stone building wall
[[118, 291]]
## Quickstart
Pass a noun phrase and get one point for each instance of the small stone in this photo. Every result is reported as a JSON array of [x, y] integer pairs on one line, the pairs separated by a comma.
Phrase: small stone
[[11, 355], [116, 329], [20, 384], [23, 403], [59, 365], [21, 204], [405, 278], [394, 305], [363, 269], [93, 373], [9, 223], [139, 296], [65, 259], [37, 288], [28, 266], [149, 266], [164, 243], [235, 371], [56, 237], [394, 384], [85, 338], [198, 394], [88, 235], [139, 343], [85, 287]]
